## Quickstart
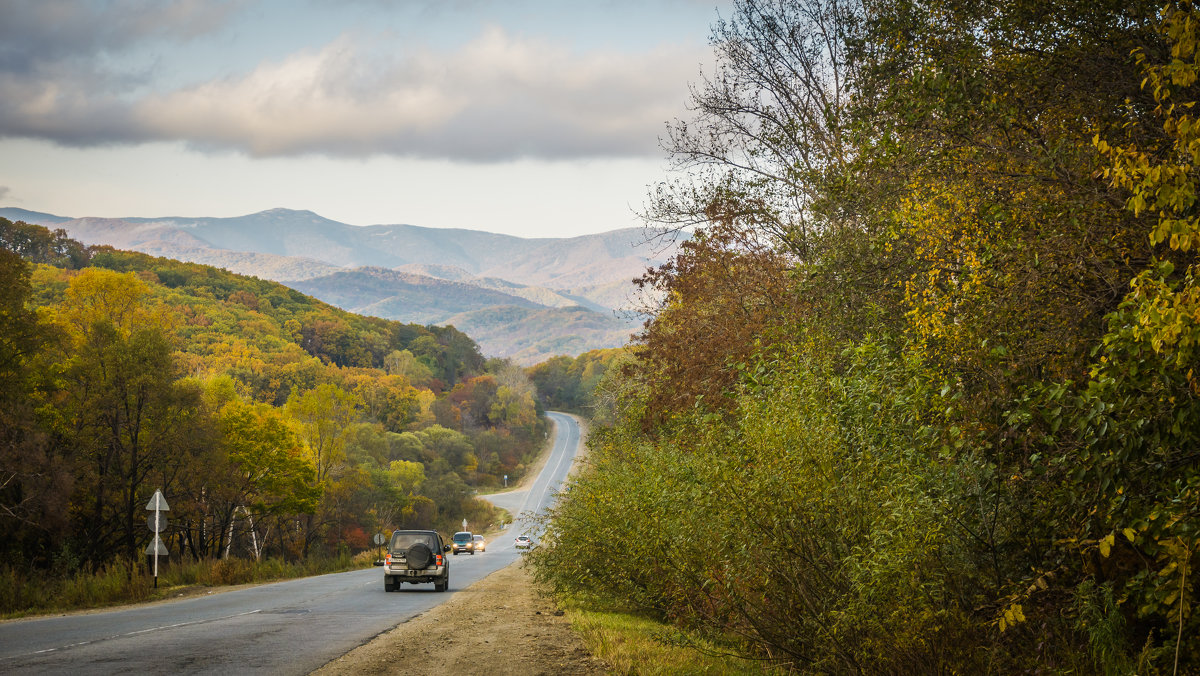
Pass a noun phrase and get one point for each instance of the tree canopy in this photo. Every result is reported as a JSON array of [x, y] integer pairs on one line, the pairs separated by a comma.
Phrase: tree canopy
[[929, 361]]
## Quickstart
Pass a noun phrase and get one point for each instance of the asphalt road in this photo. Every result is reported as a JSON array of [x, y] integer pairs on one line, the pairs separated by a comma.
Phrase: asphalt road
[[288, 627], [539, 494]]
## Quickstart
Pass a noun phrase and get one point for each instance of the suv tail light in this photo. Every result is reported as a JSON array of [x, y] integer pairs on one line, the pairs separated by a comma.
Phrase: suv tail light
[[439, 560], [387, 561]]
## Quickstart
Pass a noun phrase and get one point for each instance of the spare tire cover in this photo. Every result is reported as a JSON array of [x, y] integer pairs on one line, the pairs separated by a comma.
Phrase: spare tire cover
[[419, 556]]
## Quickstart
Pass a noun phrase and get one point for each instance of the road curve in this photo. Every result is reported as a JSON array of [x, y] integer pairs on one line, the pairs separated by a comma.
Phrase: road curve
[[290, 627], [525, 503]]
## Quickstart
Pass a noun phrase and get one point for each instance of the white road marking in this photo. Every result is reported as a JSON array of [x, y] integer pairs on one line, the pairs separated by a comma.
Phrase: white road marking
[[570, 432], [132, 633]]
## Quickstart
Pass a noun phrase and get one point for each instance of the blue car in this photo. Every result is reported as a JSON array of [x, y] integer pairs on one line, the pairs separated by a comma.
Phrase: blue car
[[462, 541]]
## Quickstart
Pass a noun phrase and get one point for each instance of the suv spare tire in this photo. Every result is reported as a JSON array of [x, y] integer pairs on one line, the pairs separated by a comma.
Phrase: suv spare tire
[[419, 556]]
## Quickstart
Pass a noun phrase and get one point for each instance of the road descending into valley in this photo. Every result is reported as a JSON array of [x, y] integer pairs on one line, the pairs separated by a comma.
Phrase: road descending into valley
[[290, 627]]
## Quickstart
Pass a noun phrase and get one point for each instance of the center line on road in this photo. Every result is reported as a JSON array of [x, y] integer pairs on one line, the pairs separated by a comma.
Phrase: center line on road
[[570, 432], [132, 633]]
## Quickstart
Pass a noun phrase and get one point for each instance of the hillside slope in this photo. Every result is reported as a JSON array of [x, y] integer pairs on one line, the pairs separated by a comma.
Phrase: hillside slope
[[413, 274]]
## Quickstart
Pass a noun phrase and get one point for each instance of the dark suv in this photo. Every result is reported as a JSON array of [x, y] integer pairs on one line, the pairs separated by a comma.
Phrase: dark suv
[[416, 556]]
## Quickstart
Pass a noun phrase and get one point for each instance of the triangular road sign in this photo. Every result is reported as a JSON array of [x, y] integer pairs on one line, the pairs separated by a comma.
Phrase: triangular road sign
[[157, 548], [158, 503]]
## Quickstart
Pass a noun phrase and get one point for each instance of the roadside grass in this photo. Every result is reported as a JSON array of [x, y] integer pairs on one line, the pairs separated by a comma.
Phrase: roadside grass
[[24, 592], [641, 646], [481, 491]]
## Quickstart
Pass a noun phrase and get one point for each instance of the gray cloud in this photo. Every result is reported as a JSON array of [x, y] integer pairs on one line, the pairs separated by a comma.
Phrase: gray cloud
[[35, 32], [4, 192], [58, 74], [496, 98]]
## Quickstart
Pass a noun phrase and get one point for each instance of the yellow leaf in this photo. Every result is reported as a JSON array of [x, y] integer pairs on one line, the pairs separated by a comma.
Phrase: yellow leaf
[[1106, 545], [1130, 534]]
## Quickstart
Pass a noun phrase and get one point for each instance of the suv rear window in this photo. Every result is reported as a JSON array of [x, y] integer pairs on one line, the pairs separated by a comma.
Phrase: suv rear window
[[402, 541], [462, 537]]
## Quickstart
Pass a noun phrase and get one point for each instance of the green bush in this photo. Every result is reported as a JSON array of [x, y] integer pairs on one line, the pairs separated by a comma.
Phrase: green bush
[[807, 526]]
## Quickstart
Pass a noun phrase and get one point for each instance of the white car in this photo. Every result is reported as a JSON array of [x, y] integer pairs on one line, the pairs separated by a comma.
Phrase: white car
[[523, 542], [480, 543]]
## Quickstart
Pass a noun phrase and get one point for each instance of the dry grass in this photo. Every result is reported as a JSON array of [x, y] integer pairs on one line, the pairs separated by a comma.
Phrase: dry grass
[[642, 646], [26, 592]]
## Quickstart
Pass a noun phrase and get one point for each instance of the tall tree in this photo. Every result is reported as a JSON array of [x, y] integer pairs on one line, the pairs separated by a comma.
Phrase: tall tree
[[35, 477], [769, 128], [325, 415], [128, 419]]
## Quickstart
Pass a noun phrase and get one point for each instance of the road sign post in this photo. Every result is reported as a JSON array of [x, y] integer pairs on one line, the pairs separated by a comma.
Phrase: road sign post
[[157, 524]]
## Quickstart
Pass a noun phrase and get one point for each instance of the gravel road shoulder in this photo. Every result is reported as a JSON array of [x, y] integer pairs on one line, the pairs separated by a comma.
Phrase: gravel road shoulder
[[499, 625]]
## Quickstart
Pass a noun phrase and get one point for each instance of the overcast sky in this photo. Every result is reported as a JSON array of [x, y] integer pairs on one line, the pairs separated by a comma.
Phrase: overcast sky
[[537, 118]]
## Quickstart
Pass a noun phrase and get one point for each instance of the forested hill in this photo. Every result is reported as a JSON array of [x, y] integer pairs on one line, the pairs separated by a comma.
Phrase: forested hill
[[276, 424]]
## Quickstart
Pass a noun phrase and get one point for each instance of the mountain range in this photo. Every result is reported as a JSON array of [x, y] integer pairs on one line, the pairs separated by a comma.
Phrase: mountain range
[[523, 298]]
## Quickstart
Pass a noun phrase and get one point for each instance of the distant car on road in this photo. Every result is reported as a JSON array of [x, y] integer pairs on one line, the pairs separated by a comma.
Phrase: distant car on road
[[480, 544], [463, 541], [523, 542], [416, 556]]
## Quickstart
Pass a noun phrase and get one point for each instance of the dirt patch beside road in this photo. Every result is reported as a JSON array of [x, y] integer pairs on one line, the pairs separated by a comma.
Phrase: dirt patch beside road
[[499, 625]]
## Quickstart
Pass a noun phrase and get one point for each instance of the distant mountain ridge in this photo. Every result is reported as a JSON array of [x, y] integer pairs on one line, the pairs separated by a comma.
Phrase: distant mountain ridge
[[380, 291], [503, 286], [34, 217]]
